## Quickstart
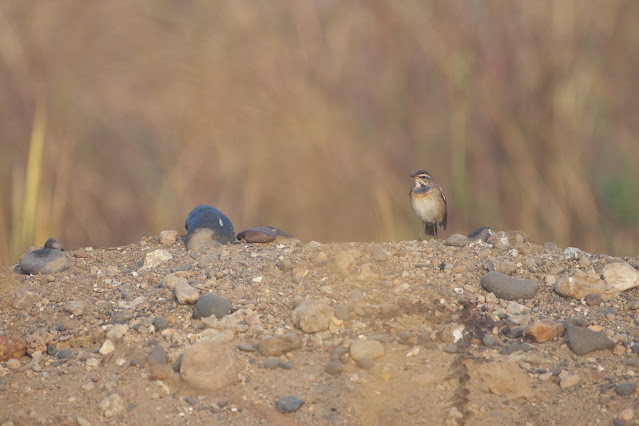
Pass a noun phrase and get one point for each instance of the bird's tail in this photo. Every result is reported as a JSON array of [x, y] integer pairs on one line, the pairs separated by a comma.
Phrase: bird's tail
[[430, 229]]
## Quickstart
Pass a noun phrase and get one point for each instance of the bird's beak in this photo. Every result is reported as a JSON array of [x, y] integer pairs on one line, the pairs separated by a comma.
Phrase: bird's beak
[[413, 175]]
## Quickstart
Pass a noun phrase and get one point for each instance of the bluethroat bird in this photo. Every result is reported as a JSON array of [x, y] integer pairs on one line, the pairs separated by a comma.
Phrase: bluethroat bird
[[429, 202]]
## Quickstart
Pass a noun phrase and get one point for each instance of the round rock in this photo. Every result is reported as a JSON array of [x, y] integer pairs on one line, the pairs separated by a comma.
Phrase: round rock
[[290, 404], [209, 366], [207, 226], [185, 294], [11, 347], [508, 288], [275, 346], [625, 389], [257, 235], [457, 240], [74, 307], [483, 233], [45, 261], [312, 316], [211, 304], [366, 349], [160, 323]]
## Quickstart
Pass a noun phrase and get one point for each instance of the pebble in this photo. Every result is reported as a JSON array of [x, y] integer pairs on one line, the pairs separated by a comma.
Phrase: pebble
[[508, 288], [621, 276], [582, 340], [366, 349], [625, 389], [74, 307], [112, 405], [107, 347], [117, 332], [287, 365], [185, 294], [488, 340], [45, 261], [365, 363], [52, 243], [191, 401], [64, 354], [160, 323], [13, 364], [593, 299], [569, 381], [168, 238], [482, 233], [155, 258], [289, 404], [457, 240], [11, 347], [334, 368], [272, 363], [572, 253], [626, 414], [172, 280], [582, 284], [246, 347], [157, 356], [312, 316], [378, 254], [209, 366], [257, 235], [26, 300], [206, 226], [543, 331], [211, 304], [276, 346]]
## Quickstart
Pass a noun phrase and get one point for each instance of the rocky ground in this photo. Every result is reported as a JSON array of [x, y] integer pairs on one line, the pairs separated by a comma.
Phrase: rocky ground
[[352, 333]]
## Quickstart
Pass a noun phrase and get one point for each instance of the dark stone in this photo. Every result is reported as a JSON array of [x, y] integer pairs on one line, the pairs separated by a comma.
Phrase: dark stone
[[211, 304], [593, 299], [582, 340], [625, 389], [404, 336], [64, 354], [508, 288], [207, 226], [635, 348], [272, 363], [160, 324], [177, 363], [488, 340], [191, 401], [365, 363], [44, 260], [246, 347], [257, 235], [290, 404], [457, 240], [515, 347], [157, 356], [52, 243], [334, 368], [482, 233], [52, 350], [288, 365]]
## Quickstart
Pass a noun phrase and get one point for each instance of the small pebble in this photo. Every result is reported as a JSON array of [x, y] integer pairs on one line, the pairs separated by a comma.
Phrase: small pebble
[[160, 323], [271, 363], [625, 389], [289, 404], [365, 363]]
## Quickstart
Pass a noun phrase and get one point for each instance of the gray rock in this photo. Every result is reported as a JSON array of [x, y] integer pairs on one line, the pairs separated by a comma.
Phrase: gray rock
[[572, 253], [211, 304], [366, 349], [275, 346], [457, 240], [26, 300], [45, 261], [287, 365], [206, 226], [488, 340], [508, 288], [334, 368], [64, 354], [257, 235], [625, 389], [209, 366], [342, 312], [483, 233], [365, 363], [312, 316], [172, 280], [290, 404], [582, 340], [185, 294], [160, 324], [378, 254], [246, 347], [117, 332], [74, 307], [157, 356], [272, 363], [52, 243]]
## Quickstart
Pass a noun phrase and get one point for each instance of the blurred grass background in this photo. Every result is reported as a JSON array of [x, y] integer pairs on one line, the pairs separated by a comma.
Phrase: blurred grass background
[[118, 117]]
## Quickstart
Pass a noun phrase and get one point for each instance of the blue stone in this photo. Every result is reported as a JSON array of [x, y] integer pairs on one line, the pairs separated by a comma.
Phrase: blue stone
[[206, 225]]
